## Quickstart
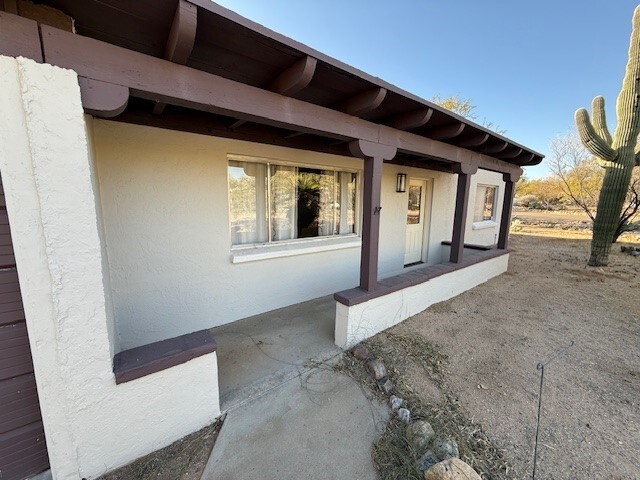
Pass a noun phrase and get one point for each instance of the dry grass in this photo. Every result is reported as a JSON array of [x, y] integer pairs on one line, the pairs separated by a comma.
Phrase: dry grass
[[392, 455], [182, 460]]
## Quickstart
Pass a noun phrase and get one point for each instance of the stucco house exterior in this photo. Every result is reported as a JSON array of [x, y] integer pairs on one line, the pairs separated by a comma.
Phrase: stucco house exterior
[[169, 166]]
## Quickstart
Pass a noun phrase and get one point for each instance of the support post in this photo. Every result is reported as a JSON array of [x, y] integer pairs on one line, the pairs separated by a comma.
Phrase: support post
[[464, 172], [510, 180], [374, 155]]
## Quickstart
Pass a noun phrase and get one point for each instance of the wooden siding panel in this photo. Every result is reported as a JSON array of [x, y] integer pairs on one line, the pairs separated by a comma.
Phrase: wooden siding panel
[[23, 452], [19, 397], [23, 449], [15, 354]]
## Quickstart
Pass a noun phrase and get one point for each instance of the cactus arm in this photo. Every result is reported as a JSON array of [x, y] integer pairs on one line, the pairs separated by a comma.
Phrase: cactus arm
[[600, 119], [591, 140]]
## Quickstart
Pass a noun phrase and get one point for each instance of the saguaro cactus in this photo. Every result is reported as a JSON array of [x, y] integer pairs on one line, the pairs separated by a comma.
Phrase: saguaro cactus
[[616, 155]]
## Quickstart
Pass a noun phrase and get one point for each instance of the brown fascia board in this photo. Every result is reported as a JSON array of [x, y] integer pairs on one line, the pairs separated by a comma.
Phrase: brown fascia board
[[232, 16]]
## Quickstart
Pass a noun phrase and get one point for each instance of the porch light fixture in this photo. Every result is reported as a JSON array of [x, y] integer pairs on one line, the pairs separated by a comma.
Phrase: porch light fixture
[[401, 183]]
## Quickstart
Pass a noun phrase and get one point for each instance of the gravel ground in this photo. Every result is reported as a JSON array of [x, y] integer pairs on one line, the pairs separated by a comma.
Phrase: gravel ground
[[496, 333]]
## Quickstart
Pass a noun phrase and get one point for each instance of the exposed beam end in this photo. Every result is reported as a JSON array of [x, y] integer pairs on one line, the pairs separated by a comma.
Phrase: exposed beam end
[[102, 99], [412, 120], [472, 140], [447, 132], [294, 78], [364, 102], [364, 148], [464, 168], [183, 33], [495, 147]]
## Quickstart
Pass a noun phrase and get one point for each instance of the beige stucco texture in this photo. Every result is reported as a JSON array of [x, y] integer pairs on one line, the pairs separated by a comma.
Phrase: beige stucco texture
[[91, 424], [165, 205]]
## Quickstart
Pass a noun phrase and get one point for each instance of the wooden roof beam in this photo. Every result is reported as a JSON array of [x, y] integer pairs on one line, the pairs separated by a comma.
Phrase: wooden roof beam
[[512, 153], [102, 99], [290, 82], [364, 102], [446, 132], [294, 78], [475, 140], [151, 78], [524, 158], [412, 120], [495, 148], [182, 37]]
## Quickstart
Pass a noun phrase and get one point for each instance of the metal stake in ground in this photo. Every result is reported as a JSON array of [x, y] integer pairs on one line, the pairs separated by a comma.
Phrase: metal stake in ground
[[540, 368]]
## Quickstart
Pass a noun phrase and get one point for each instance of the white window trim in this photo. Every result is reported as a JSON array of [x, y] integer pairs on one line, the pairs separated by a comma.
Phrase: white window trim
[[484, 224], [299, 246]]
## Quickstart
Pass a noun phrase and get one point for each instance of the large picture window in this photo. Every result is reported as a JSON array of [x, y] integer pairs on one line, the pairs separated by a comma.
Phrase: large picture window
[[485, 206], [269, 202]]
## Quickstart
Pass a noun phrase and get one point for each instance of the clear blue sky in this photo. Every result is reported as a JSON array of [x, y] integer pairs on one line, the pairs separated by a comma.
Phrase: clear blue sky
[[526, 65]]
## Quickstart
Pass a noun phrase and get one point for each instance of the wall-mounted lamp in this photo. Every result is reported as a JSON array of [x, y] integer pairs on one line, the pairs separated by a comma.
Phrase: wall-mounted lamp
[[401, 183]]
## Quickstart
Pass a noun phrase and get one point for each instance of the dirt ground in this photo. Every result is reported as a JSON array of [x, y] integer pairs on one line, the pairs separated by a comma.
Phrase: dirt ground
[[182, 460], [495, 334]]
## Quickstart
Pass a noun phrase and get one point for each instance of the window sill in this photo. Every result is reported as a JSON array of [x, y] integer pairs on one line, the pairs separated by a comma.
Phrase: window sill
[[290, 249], [483, 225]]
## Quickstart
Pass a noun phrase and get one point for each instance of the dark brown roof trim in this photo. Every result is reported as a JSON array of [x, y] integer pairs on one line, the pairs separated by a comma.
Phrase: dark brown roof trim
[[155, 357], [289, 43]]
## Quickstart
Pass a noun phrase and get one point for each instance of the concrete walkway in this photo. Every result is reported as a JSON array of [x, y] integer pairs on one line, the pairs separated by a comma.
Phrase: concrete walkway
[[263, 351], [289, 415], [319, 425]]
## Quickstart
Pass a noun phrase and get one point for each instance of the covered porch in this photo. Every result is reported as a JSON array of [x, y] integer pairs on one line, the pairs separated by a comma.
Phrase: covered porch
[[142, 112], [262, 352]]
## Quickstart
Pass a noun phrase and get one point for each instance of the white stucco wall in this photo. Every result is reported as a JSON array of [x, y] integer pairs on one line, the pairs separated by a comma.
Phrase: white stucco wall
[[91, 424], [484, 233], [358, 322], [165, 206]]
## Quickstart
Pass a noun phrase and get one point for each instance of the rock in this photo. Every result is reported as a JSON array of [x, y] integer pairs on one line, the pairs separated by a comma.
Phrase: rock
[[452, 469], [395, 402], [446, 448], [404, 415], [385, 385], [360, 352], [427, 461], [377, 368], [419, 435]]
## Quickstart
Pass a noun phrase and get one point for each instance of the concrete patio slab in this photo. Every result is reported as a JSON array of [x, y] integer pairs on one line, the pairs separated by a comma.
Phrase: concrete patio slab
[[260, 352], [318, 425]]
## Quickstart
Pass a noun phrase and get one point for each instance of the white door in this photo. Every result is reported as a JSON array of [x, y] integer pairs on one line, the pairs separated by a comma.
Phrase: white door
[[415, 221]]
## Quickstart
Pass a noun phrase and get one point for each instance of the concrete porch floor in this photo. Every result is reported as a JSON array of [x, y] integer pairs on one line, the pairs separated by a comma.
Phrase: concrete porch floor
[[288, 413], [259, 353]]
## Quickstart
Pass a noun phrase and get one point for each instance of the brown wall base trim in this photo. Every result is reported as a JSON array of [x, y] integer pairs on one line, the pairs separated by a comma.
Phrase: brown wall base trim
[[154, 357], [357, 295]]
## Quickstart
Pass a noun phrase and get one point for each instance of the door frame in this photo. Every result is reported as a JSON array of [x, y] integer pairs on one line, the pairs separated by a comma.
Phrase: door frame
[[426, 228]]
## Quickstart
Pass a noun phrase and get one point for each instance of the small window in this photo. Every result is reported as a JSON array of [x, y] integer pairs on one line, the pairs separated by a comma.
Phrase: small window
[[485, 207], [271, 203]]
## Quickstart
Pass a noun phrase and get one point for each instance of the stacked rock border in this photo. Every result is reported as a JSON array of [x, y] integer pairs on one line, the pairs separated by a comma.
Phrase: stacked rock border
[[435, 457]]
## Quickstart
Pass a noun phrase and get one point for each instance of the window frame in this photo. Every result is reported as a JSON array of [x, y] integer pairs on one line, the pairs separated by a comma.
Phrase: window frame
[[273, 244], [490, 222]]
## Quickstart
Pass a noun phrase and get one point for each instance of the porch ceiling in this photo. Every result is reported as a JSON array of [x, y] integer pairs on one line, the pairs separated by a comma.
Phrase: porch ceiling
[[230, 46]]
